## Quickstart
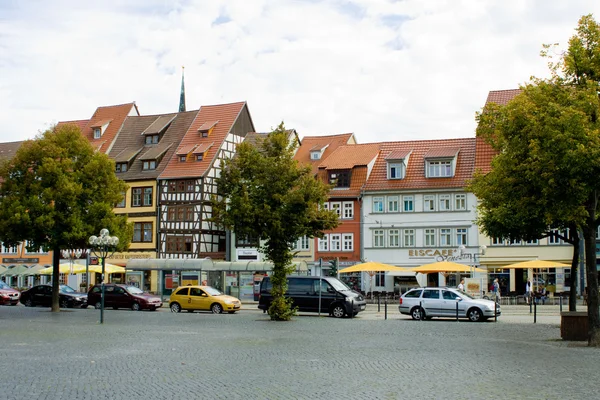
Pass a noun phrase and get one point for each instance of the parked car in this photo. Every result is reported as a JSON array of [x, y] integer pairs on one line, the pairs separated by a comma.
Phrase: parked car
[[41, 295], [205, 298], [307, 292], [123, 296], [428, 302], [8, 295]]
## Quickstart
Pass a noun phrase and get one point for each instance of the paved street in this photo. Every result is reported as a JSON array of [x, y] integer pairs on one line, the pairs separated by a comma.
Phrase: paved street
[[161, 355]]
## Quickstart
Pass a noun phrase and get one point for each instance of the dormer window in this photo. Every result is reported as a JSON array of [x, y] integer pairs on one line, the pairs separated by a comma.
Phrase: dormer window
[[440, 163], [316, 152], [152, 139], [315, 155], [340, 179], [99, 128], [182, 158], [121, 167], [199, 156], [149, 165], [206, 128], [397, 161]]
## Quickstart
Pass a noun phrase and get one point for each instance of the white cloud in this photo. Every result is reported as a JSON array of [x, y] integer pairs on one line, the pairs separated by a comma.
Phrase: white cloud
[[385, 70]]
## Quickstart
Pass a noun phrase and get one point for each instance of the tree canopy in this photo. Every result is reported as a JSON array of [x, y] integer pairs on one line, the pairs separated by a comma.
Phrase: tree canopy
[[548, 142], [264, 193], [56, 192]]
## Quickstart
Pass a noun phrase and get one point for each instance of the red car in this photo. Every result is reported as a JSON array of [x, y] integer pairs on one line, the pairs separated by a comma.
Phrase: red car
[[123, 296], [8, 295]]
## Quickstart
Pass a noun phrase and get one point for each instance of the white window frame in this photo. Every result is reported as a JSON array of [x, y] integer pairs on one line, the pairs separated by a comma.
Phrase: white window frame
[[495, 241], [97, 133], [428, 202], [348, 209], [10, 250], [445, 202], [378, 238], [408, 200], [439, 168], [335, 242], [315, 155], [429, 237], [394, 238], [395, 170], [337, 207], [445, 237], [393, 203], [323, 243], [348, 241], [461, 236], [378, 205], [409, 237], [460, 201], [303, 244]]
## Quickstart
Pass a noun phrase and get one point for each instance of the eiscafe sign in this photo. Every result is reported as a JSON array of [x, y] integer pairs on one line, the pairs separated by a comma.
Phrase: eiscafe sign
[[439, 254], [128, 256]]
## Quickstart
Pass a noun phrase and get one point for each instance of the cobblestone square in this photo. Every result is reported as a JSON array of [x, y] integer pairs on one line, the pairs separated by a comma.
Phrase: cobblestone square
[[161, 355]]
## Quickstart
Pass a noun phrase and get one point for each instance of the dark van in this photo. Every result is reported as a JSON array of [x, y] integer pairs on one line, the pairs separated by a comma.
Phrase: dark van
[[337, 298]]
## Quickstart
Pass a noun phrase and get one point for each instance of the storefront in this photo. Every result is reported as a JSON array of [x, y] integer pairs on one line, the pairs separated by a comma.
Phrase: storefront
[[239, 278]]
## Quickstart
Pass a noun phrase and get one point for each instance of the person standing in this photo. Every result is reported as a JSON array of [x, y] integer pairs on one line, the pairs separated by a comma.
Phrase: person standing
[[461, 285], [528, 291], [497, 290]]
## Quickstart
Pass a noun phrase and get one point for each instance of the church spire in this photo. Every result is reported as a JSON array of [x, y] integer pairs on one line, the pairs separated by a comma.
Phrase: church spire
[[182, 95]]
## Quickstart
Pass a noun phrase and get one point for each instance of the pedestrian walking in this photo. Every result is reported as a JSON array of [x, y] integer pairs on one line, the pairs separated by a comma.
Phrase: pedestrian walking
[[496, 287], [528, 291], [461, 285]]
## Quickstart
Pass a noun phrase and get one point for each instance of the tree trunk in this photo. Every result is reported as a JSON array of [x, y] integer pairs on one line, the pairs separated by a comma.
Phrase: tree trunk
[[589, 234], [574, 236], [55, 272]]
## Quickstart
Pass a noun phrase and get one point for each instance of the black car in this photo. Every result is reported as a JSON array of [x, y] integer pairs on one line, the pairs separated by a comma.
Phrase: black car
[[41, 295]]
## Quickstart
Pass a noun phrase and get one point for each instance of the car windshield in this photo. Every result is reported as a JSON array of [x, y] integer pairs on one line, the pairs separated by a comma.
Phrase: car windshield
[[67, 289], [4, 285], [134, 290], [468, 296], [338, 285], [212, 291]]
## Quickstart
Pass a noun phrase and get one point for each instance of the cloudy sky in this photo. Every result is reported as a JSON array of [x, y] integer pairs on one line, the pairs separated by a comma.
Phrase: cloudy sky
[[384, 69]]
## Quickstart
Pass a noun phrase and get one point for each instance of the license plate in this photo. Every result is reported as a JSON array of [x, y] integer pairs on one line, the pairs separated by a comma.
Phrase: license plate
[[362, 307]]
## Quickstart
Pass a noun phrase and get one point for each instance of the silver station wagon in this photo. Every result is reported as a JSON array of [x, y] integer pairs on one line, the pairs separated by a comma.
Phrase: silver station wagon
[[428, 302]]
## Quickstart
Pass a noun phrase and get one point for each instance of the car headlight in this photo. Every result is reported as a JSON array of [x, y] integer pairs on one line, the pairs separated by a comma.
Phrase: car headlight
[[228, 301]]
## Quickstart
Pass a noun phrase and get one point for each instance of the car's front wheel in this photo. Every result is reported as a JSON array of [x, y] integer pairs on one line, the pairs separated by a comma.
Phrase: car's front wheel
[[64, 303], [417, 313], [136, 307], [175, 307], [475, 315], [98, 305], [338, 311], [216, 308]]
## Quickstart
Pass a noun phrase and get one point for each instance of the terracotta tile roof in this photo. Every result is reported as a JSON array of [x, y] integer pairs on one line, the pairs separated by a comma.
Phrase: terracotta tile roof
[[441, 152], [8, 149], [78, 123], [227, 115], [415, 174], [116, 115], [484, 155], [159, 125], [185, 150], [358, 177], [130, 138], [502, 97], [349, 156], [99, 124], [398, 154], [202, 147], [332, 142], [207, 125]]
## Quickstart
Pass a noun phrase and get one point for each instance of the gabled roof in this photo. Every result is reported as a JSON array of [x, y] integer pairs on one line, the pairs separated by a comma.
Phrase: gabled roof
[[8, 150], [398, 154], [415, 172], [130, 140], [309, 143], [115, 115], [227, 115]]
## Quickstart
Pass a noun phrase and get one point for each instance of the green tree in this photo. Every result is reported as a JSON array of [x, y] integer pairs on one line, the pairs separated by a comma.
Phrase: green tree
[[56, 192], [265, 193], [548, 143]]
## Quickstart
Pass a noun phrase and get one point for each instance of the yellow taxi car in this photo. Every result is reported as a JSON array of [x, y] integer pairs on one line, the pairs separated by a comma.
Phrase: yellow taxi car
[[206, 298]]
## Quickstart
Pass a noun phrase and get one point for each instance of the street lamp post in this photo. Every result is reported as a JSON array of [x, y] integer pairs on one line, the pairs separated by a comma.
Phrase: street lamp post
[[103, 246], [71, 255]]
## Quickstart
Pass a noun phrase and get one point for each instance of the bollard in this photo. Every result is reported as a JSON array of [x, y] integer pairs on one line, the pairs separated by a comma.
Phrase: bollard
[[560, 303], [495, 312], [420, 311], [385, 307], [378, 303], [534, 313], [531, 300], [457, 310], [352, 309]]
